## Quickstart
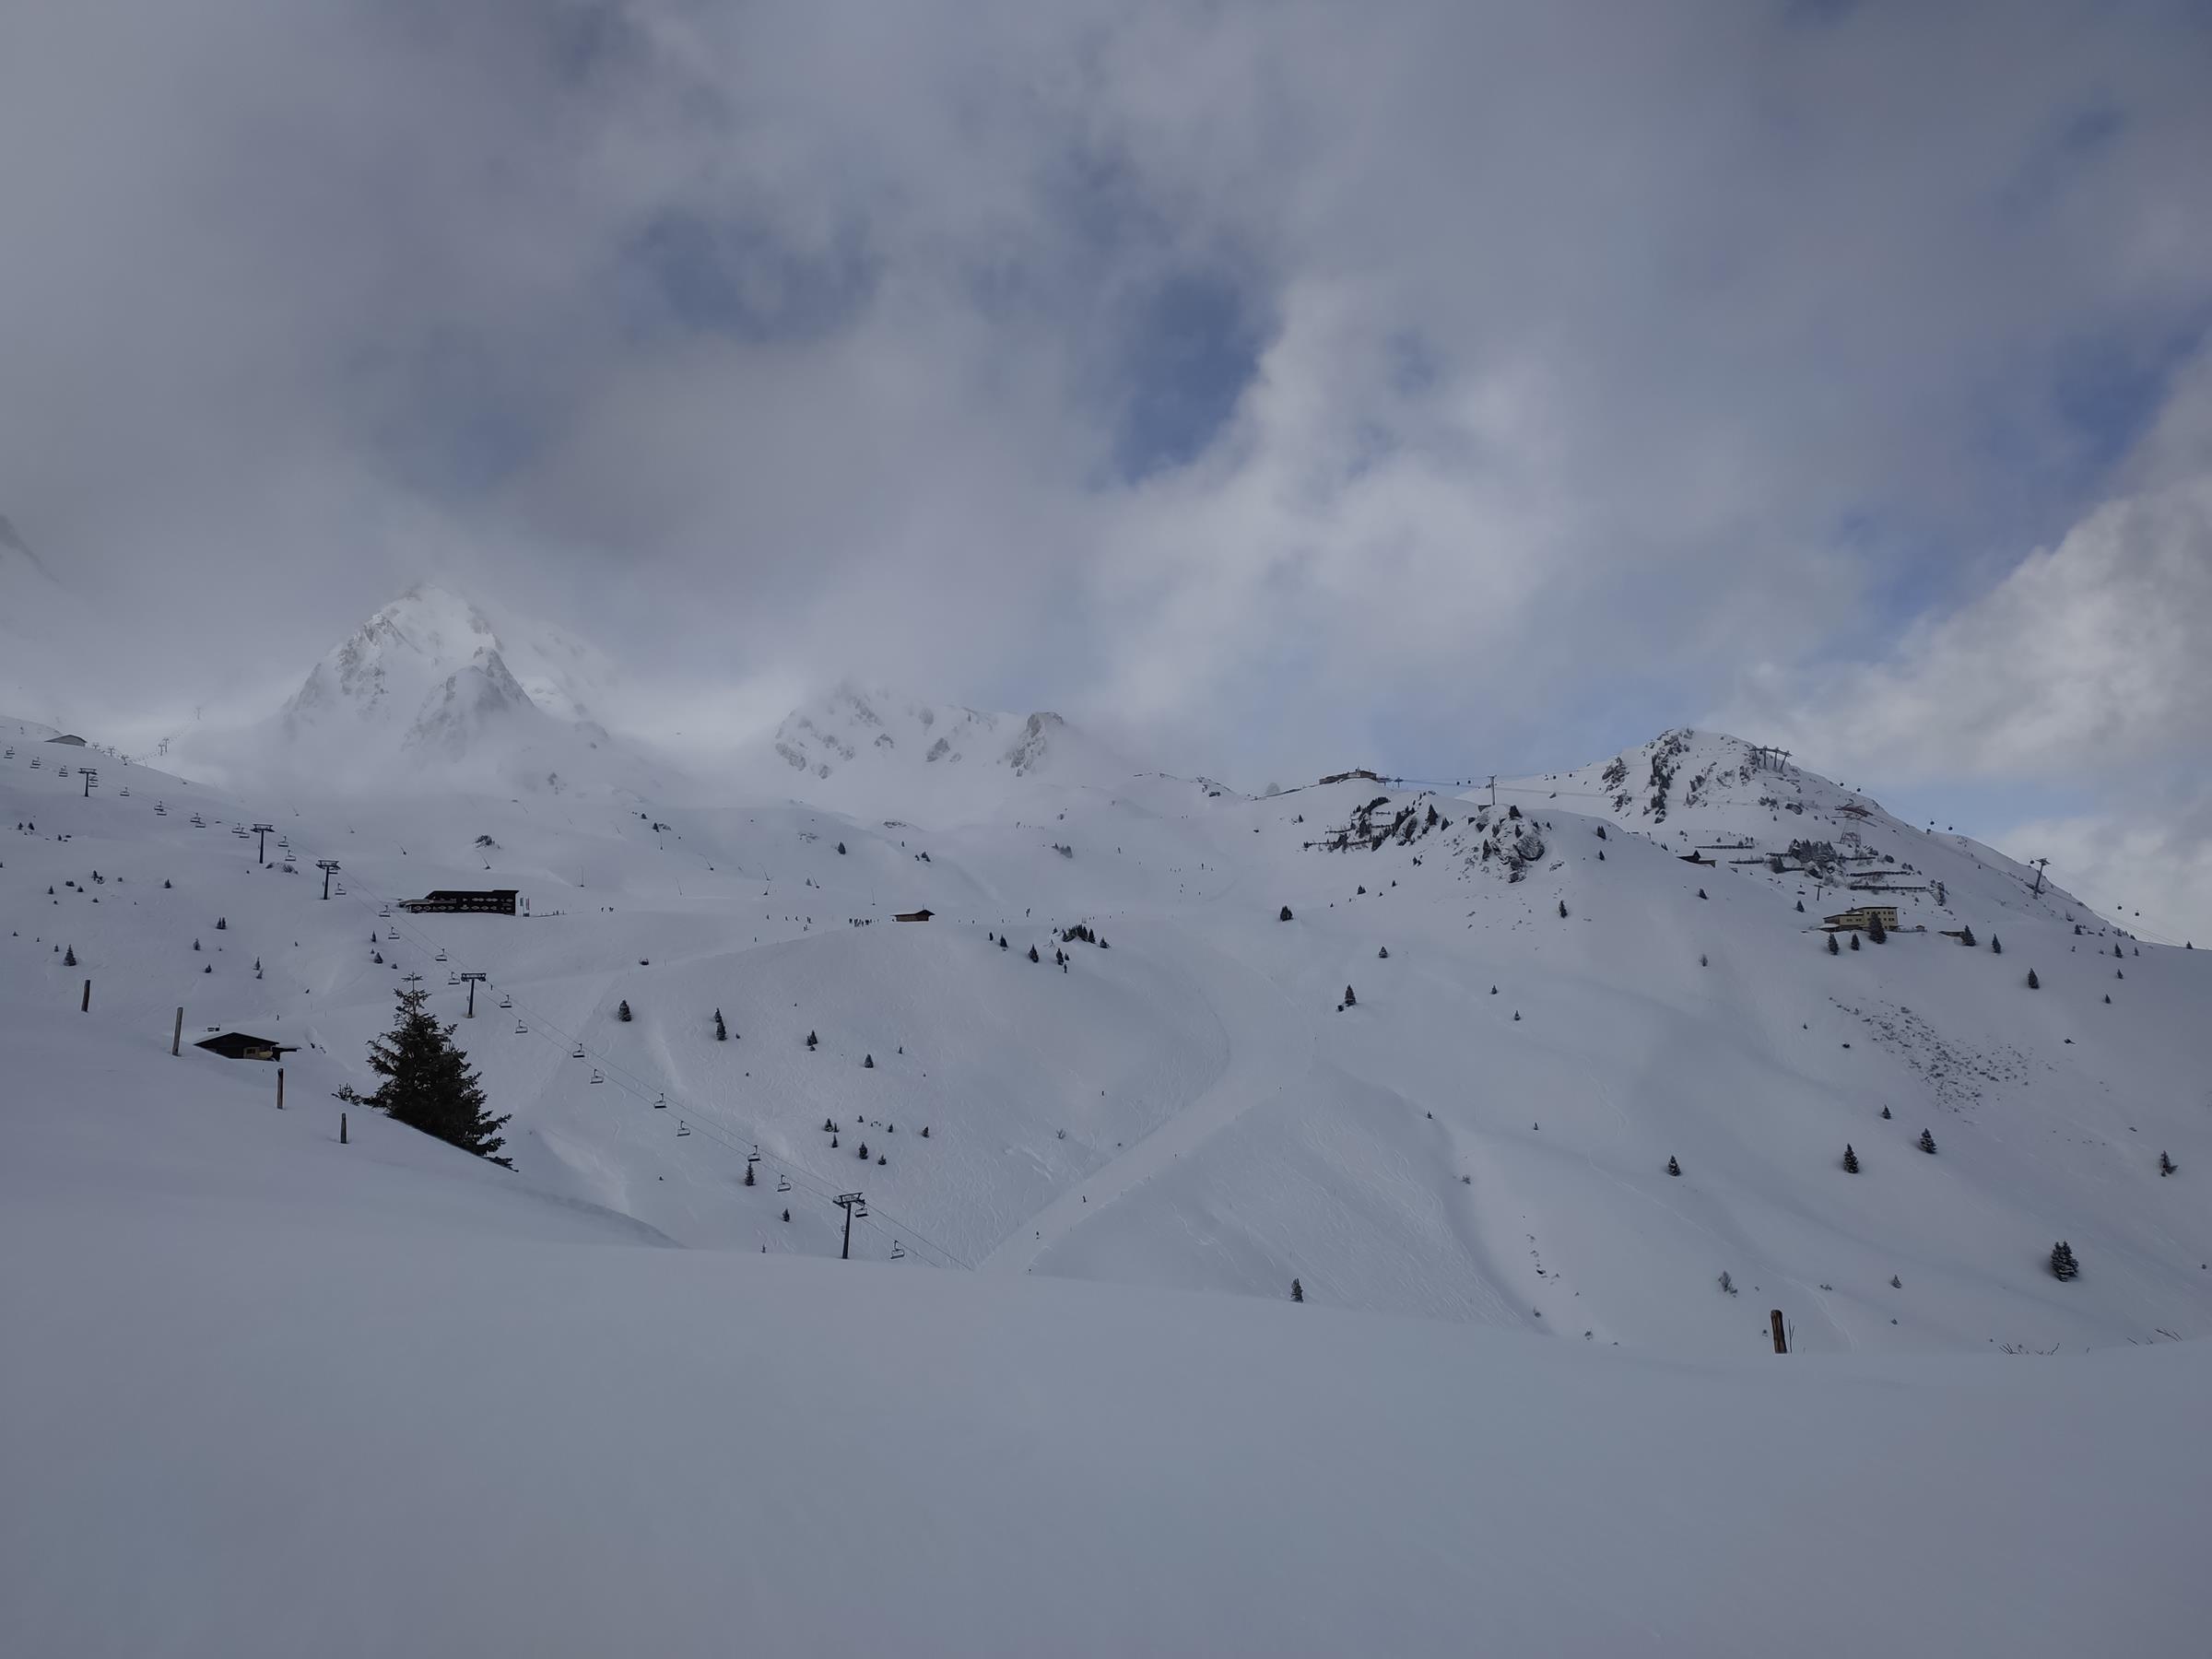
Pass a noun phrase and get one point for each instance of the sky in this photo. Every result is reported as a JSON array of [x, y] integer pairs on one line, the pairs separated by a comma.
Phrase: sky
[[1446, 387]]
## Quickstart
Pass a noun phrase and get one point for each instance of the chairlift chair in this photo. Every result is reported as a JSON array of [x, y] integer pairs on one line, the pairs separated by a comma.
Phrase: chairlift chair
[[385, 912], [576, 1053], [506, 1002], [661, 1101], [337, 889], [898, 1251], [160, 810], [783, 1183], [520, 1029], [442, 956], [392, 932], [682, 1129], [595, 1077], [453, 979], [126, 792]]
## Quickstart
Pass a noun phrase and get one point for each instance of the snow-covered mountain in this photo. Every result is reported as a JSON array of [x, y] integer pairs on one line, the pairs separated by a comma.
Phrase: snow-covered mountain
[[873, 751], [431, 693]]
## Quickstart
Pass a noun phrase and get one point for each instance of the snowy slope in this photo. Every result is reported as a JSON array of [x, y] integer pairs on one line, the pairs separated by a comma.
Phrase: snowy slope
[[1187, 1105], [48, 640], [270, 1395]]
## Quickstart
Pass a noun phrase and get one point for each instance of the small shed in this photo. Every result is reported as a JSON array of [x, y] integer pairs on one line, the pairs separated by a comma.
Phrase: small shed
[[919, 915], [238, 1046]]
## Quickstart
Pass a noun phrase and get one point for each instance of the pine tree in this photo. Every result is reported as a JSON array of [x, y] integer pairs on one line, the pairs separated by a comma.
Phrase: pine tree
[[69, 959], [863, 1152], [749, 1174], [1833, 949], [869, 1063], [1349, 1000], [2063, 1265], [1702, 890], [812, 1041], [1885, 1111], [1996, 945], [1801, 906], [222, 924], [1966, 937], [841, 849], [1033, 956], [1927, 1141], [1875, 930], [925, 1132], [1673, 1168], [427, 1084], [829, 1126], [622, 1013], [1002, 941], [1851, 1160], [2166, 1165], [1854, 941], [2033, 984], [1382, 955], [786, 1215], [1562, 910], [1298, 1292], [2118, 952], [1285, 916]]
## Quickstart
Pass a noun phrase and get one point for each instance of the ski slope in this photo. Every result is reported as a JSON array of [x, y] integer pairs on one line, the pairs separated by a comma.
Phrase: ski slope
[[1187, 1105], [270, 1395]]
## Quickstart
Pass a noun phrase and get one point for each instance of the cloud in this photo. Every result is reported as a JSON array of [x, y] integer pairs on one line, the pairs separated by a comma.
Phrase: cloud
[[1448, 387]]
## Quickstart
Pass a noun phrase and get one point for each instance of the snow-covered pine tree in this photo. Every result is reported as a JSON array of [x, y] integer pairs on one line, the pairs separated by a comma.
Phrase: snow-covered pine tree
[[1966, 937], [812, 1041], [1673, 1167], [427, 1084], [841, 849], [1875, 930], [1927, 1141], [69, 958], [1285, 914], [869, 1063], [1851, 1160], [722, 1031], [1384, 954], [2166, 1165], [1854, 941], [1833, 949], [1298, 1292], [1562, 910], [1885, 1111], [2063, 1265], [2033, 984], [222, 924], [1033, 956], [1350, 1000], [1996, 945], [786, 1215], [622, 1013], [749, 1174]]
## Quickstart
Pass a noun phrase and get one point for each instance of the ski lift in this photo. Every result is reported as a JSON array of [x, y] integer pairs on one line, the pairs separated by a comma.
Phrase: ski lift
[[783, 1183], [338, 891], [126, 792], [595, 1077], [506, 1002], [65, 769], [385, 912], [34, 763], [754, 1155], [392, 932], [520, 1029], [284, 840], [442, 956], [576, 1053], [198, 822], [160, 810], [682, 1129], [898, 1251], [661, 1101], [453, 979]]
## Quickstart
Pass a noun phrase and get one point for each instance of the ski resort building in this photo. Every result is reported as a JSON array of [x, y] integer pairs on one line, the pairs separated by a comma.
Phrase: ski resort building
[[1863, 917], [71, 738], [491, 901], [919, 915]]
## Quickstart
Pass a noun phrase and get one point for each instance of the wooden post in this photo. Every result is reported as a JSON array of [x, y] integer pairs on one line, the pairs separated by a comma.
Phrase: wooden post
[[176, 1035], [1782, 1344], [341, 1129], [280, 1108], [85, 1004]]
